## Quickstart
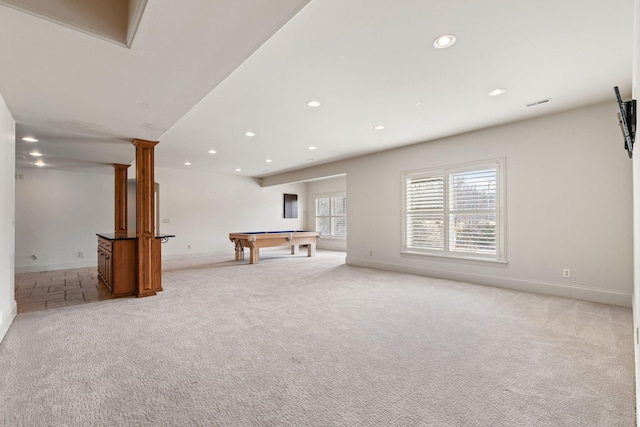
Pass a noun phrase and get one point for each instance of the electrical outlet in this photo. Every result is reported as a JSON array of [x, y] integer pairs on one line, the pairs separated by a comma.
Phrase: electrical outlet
[[370, 253], [166, 220], [566, 272], [81, 254]]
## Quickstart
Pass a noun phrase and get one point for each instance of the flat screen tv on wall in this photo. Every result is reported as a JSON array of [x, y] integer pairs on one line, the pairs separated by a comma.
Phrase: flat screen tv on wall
[[627, 118]]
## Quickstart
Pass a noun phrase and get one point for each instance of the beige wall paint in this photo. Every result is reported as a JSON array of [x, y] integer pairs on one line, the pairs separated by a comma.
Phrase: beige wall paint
[[8, 308], [60, 212], [568, 195], [636, 205], [324, 186], [203, 208]]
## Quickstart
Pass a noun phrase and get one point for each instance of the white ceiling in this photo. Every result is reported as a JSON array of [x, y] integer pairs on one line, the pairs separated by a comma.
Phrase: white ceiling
[[194, 80]]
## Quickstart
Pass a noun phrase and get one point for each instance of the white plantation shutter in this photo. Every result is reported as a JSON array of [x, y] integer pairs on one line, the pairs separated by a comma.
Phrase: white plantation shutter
[[331, 215], [454, 212], [472, 212], [425, 213], [339, 216]]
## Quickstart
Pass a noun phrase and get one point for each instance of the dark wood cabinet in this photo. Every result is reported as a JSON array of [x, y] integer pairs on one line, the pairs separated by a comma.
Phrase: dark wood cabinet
[[117, 265]]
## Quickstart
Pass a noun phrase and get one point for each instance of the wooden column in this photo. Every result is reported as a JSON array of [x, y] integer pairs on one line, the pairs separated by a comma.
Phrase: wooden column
[[145, 219], [120, 200]]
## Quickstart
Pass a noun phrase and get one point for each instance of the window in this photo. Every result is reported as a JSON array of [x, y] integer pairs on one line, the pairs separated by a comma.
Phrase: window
[[455, 211], [331, 215]]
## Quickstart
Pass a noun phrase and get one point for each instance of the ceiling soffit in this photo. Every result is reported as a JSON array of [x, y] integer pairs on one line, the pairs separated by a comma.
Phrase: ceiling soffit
[[115, 21]]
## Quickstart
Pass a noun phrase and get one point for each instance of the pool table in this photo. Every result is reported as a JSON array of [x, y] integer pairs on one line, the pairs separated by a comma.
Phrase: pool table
[[265, 239]]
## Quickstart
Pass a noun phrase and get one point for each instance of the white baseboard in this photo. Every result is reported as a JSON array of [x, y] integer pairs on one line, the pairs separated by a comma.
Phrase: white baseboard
[[570, 291], [190, 255], [7, 319], [93, 263], [51, 267]]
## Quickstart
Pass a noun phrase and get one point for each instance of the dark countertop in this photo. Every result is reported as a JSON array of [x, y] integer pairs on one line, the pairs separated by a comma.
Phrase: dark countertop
[[112, 236]]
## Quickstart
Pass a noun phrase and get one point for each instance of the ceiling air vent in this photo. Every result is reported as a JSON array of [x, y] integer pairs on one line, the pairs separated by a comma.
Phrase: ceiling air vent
[[533, 104]]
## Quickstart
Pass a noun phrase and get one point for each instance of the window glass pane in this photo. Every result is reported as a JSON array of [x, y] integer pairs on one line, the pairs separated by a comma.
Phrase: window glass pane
[[339, 205], [323, 225], [322, 206], [339, 226]]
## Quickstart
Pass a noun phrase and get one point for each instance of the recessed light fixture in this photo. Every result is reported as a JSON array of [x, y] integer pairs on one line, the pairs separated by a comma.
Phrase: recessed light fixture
[[249, 133], [29, 139], [187, 163], [497, 92], [312, 148], [35, 154], [238, 170], [268, 160], [379, 127], [39, 163], [313, 103], [444, 41], [212, 151]]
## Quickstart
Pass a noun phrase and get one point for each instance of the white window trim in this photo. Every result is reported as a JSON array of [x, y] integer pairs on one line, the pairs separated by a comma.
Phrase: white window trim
[[315, 213], [501, 253]]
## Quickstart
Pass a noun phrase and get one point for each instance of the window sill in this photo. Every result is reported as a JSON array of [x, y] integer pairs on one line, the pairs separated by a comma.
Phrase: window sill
[[457, 259]]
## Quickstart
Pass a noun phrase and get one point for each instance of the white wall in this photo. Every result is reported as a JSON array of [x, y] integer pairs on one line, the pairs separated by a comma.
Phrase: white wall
[[568, 195], [8, 308], [324, 186], [58, 214], [203, 208], [636, 205]]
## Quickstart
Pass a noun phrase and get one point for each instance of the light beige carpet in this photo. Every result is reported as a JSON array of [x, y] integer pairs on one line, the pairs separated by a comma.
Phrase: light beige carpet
[[297, 341]]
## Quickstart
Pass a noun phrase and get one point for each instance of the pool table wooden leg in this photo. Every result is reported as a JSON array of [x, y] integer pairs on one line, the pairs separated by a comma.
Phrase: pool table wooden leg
[[311, 251], [239, 250], [294, 249], [254, 255]]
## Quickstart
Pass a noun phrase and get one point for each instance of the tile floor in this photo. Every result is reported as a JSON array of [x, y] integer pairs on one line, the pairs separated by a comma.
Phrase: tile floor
[[60, 288]]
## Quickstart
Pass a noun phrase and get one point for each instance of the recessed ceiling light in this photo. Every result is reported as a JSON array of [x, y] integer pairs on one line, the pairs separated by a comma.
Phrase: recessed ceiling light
[[249, 133], [29, 139], [444, 41], [212, 151], [312, 147], [187, 163], [497, 92], [238, 170], [39, 163], [35, 154], [269, 160], [379, 127], [313, 103]]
